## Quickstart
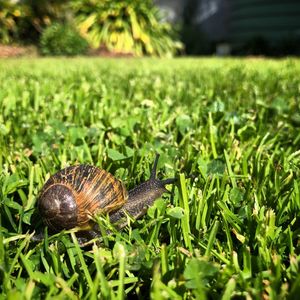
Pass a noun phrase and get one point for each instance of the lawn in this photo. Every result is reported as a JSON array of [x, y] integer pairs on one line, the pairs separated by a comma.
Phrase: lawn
[[228, 129]]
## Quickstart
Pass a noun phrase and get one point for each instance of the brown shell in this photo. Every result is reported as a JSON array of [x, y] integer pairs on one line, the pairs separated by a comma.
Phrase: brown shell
[[95, 190]]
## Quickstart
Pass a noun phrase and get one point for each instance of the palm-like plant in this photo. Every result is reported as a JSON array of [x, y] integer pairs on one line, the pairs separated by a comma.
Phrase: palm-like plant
[[131, 26]]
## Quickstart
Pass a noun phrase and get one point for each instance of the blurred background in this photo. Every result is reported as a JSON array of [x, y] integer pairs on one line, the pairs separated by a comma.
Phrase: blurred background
[[243, 27], [152, 28]]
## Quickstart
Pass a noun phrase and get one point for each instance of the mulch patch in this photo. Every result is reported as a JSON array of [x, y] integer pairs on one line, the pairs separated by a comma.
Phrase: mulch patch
[[17, 51]]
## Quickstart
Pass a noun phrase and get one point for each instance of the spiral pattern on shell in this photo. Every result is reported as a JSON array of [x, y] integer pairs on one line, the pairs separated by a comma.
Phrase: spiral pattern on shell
[[73, 195]]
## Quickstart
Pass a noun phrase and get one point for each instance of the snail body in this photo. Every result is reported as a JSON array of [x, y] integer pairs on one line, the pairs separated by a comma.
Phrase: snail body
[[71, 197]]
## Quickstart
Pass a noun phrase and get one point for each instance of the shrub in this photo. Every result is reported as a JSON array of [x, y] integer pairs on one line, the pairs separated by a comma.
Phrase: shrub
[[130, 26], [59, 39]]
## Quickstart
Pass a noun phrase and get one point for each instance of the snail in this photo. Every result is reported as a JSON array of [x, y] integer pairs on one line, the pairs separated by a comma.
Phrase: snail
[[71, 197]]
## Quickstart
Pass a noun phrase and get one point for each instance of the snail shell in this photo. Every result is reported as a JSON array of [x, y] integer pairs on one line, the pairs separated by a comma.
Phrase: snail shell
[[73, 195]]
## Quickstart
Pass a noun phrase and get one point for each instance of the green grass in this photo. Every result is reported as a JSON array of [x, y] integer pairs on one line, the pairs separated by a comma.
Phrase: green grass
[[230, 233]]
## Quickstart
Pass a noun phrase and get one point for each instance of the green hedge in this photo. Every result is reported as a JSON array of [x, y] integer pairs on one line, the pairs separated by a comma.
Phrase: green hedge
[[61, 39]]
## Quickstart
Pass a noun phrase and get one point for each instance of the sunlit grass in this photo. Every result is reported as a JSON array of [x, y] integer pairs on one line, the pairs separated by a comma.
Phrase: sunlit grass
[[227, 128]]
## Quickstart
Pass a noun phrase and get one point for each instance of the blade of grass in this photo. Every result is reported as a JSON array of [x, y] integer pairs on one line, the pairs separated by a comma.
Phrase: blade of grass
[[230, 287], [229, 169], [164, 259], [212, 136], [185, 221], [84, 267], [212, 238], [120, 254], [104, 284]]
